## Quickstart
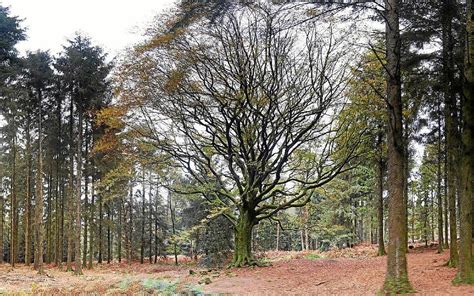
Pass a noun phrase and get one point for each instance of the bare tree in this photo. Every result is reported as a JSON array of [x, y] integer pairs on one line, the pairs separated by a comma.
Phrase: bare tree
[[247, 108]]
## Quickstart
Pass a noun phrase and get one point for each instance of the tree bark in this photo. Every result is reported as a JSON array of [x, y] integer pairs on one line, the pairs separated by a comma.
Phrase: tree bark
[[438, 185], [49, 241], [28, 197], [380, 172], [70, 202], [39, 196], [243, 240], [130, 227], [119, 231], [451, 126], [101, 219], [86, 199], [445, 200], [92, 228], [109, 237], [78, 270], [466, 274], [142, 237], [14, 209], [173, 228], [59, 197], [396, 279]]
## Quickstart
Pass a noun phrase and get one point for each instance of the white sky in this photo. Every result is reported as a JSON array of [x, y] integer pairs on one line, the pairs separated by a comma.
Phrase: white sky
[[112, 24]]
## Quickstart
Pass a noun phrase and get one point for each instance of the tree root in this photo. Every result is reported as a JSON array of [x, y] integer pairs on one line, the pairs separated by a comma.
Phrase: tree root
[[248, 262]]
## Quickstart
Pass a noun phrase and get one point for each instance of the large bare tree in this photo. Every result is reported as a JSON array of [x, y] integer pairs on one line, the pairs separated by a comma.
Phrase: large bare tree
[[247, 108]]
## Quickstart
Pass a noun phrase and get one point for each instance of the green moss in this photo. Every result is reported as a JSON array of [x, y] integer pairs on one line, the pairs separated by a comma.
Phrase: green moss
[[393, 286], [312, 256], [469, 280], [452, 263], [163, 286]]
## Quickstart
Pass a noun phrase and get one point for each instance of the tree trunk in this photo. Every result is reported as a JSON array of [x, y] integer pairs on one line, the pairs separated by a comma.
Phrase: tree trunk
[[70, 201], [59, 197], [438, 185], [100, 238], [150, 228], [466, 274], [86, 200], [78, 262], [243, 236], [14, 209], [28, 197], [109, 238], [130, 227], [92, 228], [445, 200], [302, 240], [49, 242], [396, 279], [173, 228], [451, 125], [119, 234], [142, 237], [277, 237], [156, 226], [380, 171], [39, 196]]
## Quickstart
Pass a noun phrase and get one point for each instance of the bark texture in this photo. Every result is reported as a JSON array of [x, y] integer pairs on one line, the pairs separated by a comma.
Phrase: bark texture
[[396, 279]]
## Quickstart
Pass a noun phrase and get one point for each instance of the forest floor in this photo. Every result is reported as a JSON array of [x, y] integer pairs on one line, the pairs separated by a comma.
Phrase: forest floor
[[347, 272]]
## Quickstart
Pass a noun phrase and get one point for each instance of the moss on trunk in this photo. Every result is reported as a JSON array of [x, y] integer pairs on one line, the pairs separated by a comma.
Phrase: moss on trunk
[[243, 237]]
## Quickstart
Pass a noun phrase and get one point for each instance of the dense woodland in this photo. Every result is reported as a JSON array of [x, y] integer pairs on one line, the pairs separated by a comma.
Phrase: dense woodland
[[238, 128]]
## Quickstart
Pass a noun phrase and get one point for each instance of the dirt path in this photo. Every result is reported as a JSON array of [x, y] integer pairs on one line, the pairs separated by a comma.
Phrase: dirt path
[[343, 276], [287, 276]]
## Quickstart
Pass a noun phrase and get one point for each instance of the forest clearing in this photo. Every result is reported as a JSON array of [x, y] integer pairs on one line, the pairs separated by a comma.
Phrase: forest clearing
[[262, 147], [349, 272]]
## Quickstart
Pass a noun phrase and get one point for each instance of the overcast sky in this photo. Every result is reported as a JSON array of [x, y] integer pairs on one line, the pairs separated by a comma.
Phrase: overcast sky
[[112, 24]]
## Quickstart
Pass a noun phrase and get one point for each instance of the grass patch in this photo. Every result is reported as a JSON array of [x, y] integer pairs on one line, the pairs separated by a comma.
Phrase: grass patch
[[124, 284], [312, 256], [164, 287], [195, 290]]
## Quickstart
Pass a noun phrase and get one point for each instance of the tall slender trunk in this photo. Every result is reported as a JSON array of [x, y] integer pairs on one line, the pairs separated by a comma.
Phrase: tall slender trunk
[[119, 230], [396, 279], [70, 198], [445, 199], [451, 124], [101, 218], [277, 243], [173, 227], [86, 197], [109, 241], [142, 236], [78, 270], [92, 229], [466, 273], [14, 209], [156, 225], [28, 196], [39, 194], [306, 232], [438, 184], [380, 173], [150, 221], [130, 227], [49, 241], [59, 205]]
